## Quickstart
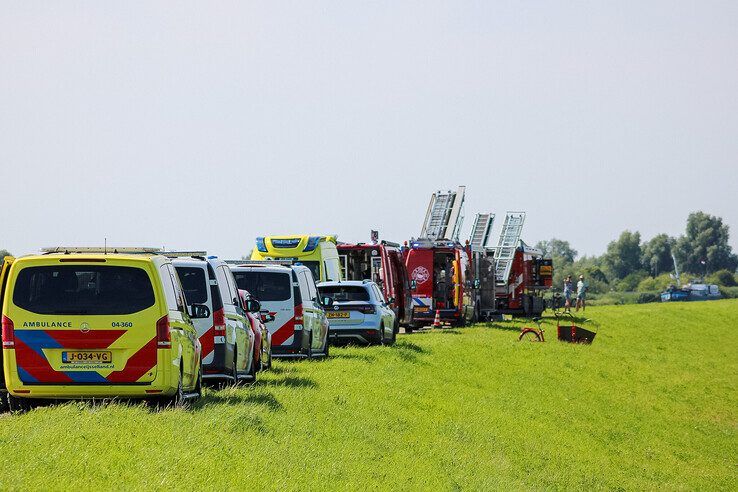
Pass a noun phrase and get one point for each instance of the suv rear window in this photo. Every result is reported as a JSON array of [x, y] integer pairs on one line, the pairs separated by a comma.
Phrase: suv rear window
[[343, 293], [265, 286], [83, 289], [194, 284]]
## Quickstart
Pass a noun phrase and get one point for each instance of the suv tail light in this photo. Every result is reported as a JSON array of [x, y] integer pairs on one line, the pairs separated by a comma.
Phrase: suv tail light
[[369, 309], [8, 333], [219, 324], [163, 333]]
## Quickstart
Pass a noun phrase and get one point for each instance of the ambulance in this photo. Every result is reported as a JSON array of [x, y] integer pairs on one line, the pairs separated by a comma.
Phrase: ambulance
[[318, 253]]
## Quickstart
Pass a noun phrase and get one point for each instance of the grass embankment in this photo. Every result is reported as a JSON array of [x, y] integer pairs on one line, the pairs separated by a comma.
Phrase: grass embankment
[[653, 402]]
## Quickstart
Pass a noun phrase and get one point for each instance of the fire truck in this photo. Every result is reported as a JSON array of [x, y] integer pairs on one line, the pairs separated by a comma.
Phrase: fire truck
[[439, 266], [521, 273], [473, 281]]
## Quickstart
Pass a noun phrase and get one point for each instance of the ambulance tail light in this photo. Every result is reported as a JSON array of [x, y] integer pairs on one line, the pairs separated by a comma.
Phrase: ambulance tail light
[[8, 333], [163, 333]]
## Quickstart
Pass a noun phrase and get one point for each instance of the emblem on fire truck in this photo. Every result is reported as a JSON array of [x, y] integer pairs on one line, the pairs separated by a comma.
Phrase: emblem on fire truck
[[420, 275]]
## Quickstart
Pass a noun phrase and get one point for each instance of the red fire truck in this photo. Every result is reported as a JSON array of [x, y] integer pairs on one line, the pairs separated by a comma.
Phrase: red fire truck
[[442, 278], [381, 262]]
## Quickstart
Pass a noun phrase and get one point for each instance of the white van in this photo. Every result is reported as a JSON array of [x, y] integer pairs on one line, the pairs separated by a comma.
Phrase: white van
[[225, 335], [288, 292]]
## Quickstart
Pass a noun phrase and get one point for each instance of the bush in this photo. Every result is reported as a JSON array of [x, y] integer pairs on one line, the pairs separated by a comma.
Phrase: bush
[[723, 278], [659, 283], [630, 282], [646, 297]]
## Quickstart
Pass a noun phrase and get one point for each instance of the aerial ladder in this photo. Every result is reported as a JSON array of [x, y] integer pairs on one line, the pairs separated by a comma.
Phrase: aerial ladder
[[507, 244], [481, 231], [444, 217]]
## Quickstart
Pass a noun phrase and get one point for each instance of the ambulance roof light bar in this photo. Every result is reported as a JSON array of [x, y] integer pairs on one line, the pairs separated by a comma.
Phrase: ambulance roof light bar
[[100, 249], [261, 262]]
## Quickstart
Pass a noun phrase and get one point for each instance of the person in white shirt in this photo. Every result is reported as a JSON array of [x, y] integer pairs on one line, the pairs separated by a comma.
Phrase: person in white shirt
[[581, 293]]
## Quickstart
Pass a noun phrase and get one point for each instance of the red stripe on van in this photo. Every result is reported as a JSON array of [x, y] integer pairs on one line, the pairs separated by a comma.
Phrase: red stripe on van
[[138, 364], [207, 340], [35, 365], [284, 332], [96, 339]]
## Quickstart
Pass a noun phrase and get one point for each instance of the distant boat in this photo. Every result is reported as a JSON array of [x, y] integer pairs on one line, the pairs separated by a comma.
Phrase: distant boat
[[691, 292]]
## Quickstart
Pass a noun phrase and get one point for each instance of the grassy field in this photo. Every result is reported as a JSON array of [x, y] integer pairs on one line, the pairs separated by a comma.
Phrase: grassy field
[[652, 403]]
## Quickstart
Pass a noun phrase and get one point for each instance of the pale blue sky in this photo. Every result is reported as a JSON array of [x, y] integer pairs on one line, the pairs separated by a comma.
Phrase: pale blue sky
[[203, 125]]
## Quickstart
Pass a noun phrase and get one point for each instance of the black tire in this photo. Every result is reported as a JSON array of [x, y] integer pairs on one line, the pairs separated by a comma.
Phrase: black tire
[[234, 371], [310, 346], [381, 334], [395, 329], [326, 352], [252, 371], [17, 405], [177, 399], [198, 385]]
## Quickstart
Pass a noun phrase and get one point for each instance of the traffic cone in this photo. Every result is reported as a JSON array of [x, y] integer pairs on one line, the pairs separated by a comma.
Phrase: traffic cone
[[437, 321]]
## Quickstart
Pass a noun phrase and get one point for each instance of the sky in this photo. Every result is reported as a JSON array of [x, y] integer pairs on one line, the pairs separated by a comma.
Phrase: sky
[[201, 125]]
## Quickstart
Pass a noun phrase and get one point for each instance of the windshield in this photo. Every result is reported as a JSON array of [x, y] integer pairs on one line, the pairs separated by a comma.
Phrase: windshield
[[265, 286], [345, 293], [194, 284], [83, 289], [314, 267]]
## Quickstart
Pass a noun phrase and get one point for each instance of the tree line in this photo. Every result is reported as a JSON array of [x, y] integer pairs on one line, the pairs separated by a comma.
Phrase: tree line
[[632, 265]]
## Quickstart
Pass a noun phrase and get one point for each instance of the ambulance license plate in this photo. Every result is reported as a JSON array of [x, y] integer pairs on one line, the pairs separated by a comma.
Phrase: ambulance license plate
[[87, 357], [338, 314]]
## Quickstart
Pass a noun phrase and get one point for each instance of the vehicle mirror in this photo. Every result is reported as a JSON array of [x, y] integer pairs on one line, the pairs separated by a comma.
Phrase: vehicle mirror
[[413, 285], [476, 283], [266, 317], [199, 311], [328, 301], [390, 300], [252, 306]]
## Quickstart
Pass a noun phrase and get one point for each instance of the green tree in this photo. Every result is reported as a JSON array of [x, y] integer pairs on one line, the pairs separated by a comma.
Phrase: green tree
[[656, 254], [705, 247], [623, 255], [557, 249], [4, 253]]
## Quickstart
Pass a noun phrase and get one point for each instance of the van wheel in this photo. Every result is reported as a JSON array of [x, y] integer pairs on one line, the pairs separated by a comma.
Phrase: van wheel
[[177, 400], [327, 344], [310, 346], [198, 385], [17, 405], [234, 371], [252, 372]]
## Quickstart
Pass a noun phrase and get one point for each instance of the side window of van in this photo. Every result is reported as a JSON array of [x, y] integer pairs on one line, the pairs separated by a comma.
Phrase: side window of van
[[332, 269], [225, 290], [231, 283], [178, 291], [168, 285], [304, 291], [312, 290]]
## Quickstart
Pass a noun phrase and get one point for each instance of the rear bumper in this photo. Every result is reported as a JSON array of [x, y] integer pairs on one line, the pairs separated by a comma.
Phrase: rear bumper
[[164, 384], [367, 334], [299, 348]]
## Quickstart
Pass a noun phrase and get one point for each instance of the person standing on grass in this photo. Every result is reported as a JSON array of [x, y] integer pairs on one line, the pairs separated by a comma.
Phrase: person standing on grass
[[581, 293], [568, 291]]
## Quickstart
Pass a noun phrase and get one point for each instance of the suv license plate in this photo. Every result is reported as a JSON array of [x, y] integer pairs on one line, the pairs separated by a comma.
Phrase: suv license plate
[[338, 314]]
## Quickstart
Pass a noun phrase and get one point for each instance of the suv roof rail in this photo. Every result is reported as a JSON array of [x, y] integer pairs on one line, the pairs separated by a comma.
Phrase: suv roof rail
[[184, 254], [261, 262], [100, 249]]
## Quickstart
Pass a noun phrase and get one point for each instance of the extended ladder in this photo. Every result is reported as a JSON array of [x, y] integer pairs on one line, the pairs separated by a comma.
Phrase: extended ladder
[[444, 217], [481, 229], [508, 243]]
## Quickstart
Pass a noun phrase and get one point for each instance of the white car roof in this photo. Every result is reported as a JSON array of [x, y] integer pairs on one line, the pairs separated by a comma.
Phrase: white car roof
[[350, 283], [259, 268]]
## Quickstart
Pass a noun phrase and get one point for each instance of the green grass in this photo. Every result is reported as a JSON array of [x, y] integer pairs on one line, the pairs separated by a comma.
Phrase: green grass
[[652, 403]]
